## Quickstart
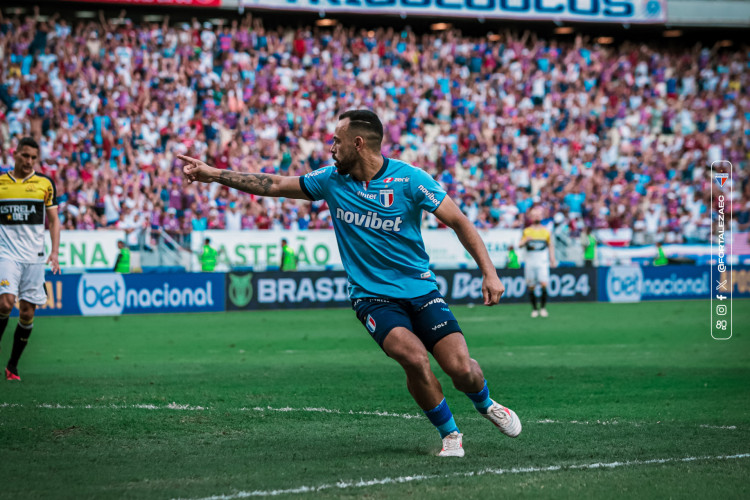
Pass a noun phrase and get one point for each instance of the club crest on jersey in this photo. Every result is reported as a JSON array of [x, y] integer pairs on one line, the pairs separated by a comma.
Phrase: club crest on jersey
[[386, 197]]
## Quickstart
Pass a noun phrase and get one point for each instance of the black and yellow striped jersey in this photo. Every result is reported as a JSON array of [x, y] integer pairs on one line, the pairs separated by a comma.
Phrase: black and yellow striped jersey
[[23, 204], [537, 245]]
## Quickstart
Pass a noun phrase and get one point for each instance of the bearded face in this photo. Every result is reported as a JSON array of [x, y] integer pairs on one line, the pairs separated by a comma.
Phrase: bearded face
[[343, 150]]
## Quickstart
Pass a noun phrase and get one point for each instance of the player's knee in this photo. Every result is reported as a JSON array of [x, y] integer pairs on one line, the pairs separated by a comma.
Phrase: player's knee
[[461, 370], [26, 315], [418, 361], [413, 361], [6, 304]]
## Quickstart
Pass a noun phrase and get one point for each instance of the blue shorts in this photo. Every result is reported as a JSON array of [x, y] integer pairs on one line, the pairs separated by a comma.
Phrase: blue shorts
[[428, 317]]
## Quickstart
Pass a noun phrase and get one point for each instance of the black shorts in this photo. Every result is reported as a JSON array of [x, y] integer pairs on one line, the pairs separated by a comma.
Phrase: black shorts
[[428, 317]]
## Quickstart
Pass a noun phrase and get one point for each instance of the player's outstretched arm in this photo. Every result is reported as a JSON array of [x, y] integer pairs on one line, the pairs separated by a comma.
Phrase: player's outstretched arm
[[450, 215], [260, 184]]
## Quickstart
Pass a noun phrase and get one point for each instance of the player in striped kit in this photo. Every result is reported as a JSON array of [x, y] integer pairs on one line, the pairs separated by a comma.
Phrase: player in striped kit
[[27, 200], [540, 255]]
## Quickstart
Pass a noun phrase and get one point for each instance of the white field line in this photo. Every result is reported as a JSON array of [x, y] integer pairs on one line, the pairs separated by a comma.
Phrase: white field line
[[58, 406], [338, 412], [342, 485], [406, 416]]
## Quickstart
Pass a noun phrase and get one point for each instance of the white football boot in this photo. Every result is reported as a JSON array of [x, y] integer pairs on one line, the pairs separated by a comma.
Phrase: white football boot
[[544, 313], [504, 419], [534, 313], [452, 445]]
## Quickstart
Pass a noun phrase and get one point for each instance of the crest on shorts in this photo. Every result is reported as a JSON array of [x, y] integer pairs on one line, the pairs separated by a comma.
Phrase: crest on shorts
[[370, 323], [4, 283], [386, 197]]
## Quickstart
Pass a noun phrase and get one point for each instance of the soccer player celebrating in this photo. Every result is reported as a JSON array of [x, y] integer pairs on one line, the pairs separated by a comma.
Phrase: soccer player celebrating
[[540, 254], [27, 200], [377, 205]]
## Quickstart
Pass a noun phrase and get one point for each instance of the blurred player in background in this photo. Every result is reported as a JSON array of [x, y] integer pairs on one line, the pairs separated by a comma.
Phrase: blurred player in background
[[589, 241], [27, 201], [376, 204], [540, 255], [288, 259], [122, 264]]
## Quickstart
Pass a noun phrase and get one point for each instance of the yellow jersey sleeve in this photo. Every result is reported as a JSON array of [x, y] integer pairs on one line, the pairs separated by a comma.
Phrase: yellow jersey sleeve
[[50, 192]]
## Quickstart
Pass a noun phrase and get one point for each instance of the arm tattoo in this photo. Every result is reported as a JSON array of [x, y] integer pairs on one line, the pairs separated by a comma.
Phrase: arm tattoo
[[249, 183]]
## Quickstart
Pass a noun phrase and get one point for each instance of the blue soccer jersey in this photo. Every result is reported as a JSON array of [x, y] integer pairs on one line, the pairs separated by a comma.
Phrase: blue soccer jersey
[[377, 226]]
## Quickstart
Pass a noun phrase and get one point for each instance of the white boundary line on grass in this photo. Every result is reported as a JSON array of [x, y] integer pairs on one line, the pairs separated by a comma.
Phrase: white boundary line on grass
[[516, 470], [58, 406], [286, 409], [338, 412]]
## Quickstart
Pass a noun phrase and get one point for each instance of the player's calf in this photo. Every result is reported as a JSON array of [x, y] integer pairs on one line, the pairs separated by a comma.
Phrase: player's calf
[[543, 301], [20, 340]]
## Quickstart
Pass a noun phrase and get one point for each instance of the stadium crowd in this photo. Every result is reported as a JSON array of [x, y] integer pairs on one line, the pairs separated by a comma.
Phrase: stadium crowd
[[602, 136]]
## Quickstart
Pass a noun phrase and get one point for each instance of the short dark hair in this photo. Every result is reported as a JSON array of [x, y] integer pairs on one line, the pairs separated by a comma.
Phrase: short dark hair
[[207, 241], [28, 141], [366, 123]]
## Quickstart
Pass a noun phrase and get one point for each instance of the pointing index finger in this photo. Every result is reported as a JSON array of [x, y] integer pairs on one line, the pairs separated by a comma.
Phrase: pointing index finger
[[188, 159]]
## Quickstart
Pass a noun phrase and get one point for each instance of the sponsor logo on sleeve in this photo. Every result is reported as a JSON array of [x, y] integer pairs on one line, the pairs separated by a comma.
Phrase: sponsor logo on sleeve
[[429, 195]]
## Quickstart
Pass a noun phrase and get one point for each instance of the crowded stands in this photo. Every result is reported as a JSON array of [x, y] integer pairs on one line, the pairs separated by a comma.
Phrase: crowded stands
[[602, 136]]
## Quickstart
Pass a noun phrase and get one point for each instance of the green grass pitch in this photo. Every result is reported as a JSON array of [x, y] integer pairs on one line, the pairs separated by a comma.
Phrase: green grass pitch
[[641, 388]]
